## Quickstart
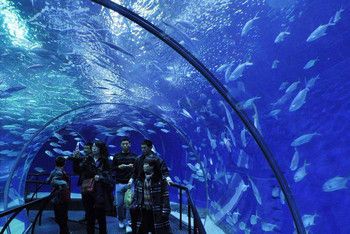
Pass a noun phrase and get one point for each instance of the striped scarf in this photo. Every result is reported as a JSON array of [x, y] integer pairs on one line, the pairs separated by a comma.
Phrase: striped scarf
[[147, 202]]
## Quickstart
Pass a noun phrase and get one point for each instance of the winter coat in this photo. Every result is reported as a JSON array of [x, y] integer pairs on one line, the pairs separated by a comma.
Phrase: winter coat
[[160, 204], [60, 182], [104, 186]]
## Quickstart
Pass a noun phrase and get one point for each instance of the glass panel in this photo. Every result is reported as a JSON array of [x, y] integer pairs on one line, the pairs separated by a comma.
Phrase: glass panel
[[286, 62]]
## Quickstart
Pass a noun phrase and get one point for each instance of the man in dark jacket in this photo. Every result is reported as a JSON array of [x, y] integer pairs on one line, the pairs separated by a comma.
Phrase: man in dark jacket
[[151, 206], [123, 167], [146, 148]]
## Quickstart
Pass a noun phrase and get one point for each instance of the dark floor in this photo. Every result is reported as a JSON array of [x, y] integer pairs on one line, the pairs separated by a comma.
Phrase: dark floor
[[49, 226]]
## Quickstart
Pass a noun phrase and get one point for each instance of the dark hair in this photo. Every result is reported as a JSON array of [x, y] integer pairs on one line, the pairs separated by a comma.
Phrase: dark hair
[[60, 161], [103, 149], [88, 144], [153, 162], [148, 143], [125, 139]]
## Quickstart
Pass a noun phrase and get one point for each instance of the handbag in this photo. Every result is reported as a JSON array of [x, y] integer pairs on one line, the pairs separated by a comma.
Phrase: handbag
[[88, 185], [128, 198]]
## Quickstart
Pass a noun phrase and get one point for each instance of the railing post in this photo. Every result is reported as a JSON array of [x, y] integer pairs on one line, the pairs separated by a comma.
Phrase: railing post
[[180, 208], [189, 214]]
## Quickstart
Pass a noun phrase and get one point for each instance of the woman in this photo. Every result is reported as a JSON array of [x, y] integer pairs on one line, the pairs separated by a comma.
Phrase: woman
[[151, 207], [97, 187]]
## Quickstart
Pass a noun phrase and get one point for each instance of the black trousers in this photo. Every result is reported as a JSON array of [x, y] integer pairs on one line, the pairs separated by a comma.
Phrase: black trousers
[[93, 213], [85, 201], [61, 217], [147, 222]]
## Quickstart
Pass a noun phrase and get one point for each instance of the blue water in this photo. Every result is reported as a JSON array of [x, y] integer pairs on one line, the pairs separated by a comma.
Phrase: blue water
[[71, 69]]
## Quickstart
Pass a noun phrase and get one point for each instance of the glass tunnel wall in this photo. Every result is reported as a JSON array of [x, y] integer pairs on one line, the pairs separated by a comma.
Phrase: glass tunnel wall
[[286, 62]]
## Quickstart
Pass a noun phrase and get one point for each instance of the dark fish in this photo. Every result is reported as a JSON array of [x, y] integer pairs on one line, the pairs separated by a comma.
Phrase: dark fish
[[15, 89], [117, 48]]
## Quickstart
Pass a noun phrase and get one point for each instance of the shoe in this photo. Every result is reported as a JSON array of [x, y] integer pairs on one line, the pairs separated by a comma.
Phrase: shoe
[[128, 229], [121, 224]]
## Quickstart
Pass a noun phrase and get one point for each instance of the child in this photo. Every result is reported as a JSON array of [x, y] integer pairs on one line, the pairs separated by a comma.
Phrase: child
[[60, 181]]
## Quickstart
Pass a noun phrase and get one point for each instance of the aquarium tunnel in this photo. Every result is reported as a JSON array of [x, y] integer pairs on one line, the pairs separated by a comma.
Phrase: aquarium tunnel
[[247, 102]]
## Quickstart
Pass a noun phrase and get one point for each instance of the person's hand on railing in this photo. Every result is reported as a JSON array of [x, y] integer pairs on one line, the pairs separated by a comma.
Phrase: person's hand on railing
[[169, 180]]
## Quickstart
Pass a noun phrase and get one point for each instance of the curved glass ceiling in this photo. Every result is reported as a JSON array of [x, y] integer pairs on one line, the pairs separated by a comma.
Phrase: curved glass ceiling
[[73, 67]]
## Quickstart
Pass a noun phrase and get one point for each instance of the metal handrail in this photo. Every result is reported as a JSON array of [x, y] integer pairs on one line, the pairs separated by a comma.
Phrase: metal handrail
[[197, 225], [16, 210]]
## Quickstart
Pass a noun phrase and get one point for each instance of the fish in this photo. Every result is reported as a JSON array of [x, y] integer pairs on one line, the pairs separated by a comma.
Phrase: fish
[[222, 67], [295, 160], [274, 113], [301, 172], [160, 124], [228, 115], [54, 144], [117, 48], [151, 131], [228, 73], [299, 100], [164, 130], [335, 183], [186, 113], [310, 83], [256, 118], [35, 66], [337, 15], [47, 152], [227, 143], [255, 191], [281, 36], [320, 31], [304, 139], [233, 139], [243, 159], [268, 227], [248, 25], [9, 153], [240, 189], [275, 64], [283, 86], [243, 137], [57, 150], [211, 140], [39, 169], [282, 99], [12, 127], [309, 220], [254, 218], [310, 63], [58, 136], [140, 123], [292, 87], [238, 72], [275, 192], [248, 103], [14, 89]]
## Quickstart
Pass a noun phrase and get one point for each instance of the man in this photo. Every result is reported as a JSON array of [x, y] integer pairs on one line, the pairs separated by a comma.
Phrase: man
[[151, 205], [146, 148], [123, 167], [77, 160]]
